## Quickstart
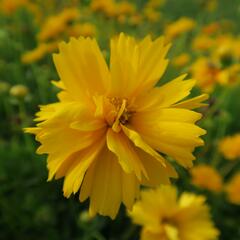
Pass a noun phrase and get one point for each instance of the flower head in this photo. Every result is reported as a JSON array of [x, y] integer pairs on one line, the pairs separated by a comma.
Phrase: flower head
[[181, 60], [105, 132], [10, 6], [233, 189], [178, 27], [38, 53], [57, 24], [206, 73], [201, 175], [165, 216], [230, 147]]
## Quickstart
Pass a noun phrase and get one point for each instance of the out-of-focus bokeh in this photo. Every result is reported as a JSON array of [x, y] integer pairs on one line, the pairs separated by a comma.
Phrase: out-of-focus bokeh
[[205, 37]]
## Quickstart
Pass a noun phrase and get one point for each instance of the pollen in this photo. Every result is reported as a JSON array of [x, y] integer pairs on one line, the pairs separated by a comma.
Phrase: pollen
[[122, 114]]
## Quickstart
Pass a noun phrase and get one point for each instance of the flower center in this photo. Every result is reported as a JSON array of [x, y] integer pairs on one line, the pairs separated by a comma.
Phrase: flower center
[[122, 114]]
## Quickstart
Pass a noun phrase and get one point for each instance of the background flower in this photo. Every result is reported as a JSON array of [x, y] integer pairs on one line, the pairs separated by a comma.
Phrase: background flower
[[186, 217]]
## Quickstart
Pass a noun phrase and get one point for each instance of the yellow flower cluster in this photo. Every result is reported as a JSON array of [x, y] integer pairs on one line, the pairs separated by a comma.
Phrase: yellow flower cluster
[[111, 8], [54, 28], [220, 59], [165, 216], [126, 12], [55, 25]]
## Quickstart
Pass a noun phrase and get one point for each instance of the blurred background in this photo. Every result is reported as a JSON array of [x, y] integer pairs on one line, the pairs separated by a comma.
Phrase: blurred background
[[205, 43]]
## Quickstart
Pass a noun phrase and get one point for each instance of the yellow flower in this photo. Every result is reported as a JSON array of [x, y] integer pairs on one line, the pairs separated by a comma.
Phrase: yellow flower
[[136, 19], [206, 177], [108, 7], [104, 133], [55, 25], [229, 75], [178, 27], [211, 28], [82, 29], [125, 8], [165, 216], [233, 189], [38, 53], [206, 73], [229, 147], [203, 42], [19, 91], [151, 14], [10, 6], [181, 60], [155, 3]]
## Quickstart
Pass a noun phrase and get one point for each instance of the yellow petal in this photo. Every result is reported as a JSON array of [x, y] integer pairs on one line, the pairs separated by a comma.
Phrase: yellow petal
[[192, 103], [76, 172], [105, 196], [120, 145], [157, 174], [138, 142], [176, 139], [166, 95], [130, 189], [122, 183], [75, 64], [136, 67]]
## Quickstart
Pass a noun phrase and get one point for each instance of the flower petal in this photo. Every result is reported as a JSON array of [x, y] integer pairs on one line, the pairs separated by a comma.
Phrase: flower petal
[[139, 142], [157, 174], [75, 64], [105, 192], [166, 95], [120, 145], [136, 67], [76, 172], [192, 103]]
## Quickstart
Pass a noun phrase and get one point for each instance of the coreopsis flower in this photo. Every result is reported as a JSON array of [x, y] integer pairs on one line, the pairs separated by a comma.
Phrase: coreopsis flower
[[178, 27], [166, 216], [10, 6], [211, 28], [233, 189], [206, 73], [230, 75], [108, 7], [151, 14], [38, 53], [136, 19], [125, 8], [201, 175], [111, 124], [82, 29], [181, 60], [155, 3], [203, 42], [57, 24], [230, 147]]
